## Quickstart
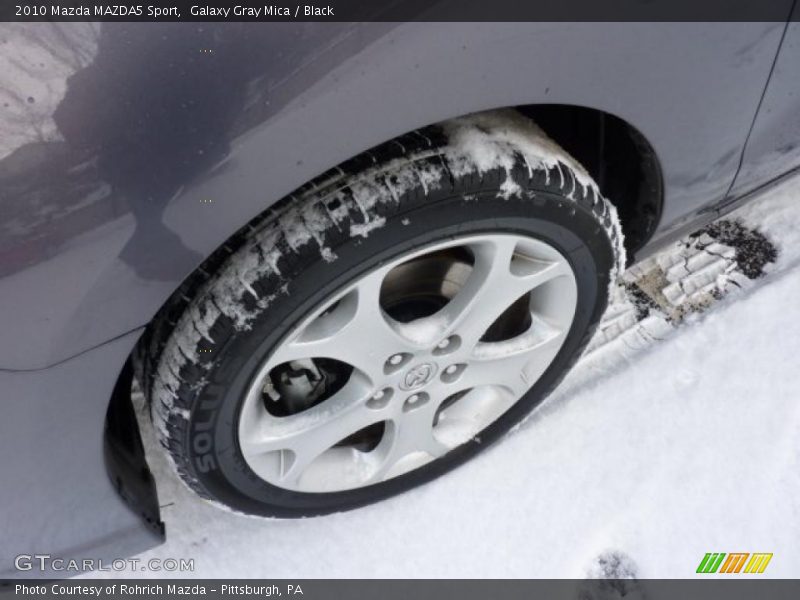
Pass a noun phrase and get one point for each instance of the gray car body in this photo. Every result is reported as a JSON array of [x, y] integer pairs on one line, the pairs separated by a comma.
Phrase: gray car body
[[165, 139]]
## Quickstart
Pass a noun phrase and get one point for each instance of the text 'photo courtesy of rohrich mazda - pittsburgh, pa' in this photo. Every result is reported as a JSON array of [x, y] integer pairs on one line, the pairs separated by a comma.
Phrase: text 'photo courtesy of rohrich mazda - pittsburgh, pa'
[[484, 299]]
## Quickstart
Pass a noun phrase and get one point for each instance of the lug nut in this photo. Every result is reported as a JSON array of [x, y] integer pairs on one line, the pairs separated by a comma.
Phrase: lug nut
[[396, 361], [452, 372], [448, 345], [415, 401], [380, 399]]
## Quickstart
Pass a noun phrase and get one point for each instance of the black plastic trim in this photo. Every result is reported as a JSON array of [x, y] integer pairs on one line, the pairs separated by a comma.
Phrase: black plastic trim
[[125, 458]]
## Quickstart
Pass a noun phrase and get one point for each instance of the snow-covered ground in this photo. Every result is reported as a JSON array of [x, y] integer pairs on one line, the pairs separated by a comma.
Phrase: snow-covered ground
[[677, 435]]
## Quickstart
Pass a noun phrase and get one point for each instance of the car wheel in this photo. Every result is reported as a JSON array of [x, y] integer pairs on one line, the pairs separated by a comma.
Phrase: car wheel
[[387, 322]]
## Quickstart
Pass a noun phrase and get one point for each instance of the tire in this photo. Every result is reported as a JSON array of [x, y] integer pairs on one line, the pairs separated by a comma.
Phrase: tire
[[448, 193]]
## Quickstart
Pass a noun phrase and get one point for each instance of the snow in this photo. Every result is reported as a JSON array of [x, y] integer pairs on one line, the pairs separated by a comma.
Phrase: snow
[[364, 229], [424, 331], [638, 467], [35, 64], [487, 140]]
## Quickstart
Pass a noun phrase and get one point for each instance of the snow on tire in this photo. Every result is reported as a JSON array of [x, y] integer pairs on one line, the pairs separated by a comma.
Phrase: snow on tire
[[451, 275]]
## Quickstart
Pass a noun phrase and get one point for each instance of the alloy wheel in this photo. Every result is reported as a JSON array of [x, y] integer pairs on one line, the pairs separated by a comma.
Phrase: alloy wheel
[[408, 362]]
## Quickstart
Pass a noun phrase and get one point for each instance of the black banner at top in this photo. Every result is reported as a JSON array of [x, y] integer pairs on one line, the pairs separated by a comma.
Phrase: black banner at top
[[398, 10]]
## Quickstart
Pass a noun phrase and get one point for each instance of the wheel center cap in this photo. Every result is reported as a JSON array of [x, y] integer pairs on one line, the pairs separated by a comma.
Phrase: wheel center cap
[[418, 375]]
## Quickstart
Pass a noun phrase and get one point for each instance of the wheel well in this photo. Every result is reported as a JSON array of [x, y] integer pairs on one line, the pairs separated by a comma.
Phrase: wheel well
[[617, 156]]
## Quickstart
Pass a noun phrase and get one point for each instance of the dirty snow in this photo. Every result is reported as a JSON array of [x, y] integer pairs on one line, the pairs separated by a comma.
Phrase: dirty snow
[[687, 445], [35, 64]]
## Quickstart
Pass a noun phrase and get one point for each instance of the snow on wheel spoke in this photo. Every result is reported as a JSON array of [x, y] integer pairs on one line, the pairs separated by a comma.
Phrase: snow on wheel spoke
[[298, 440], [473, 411], [516, 363]]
